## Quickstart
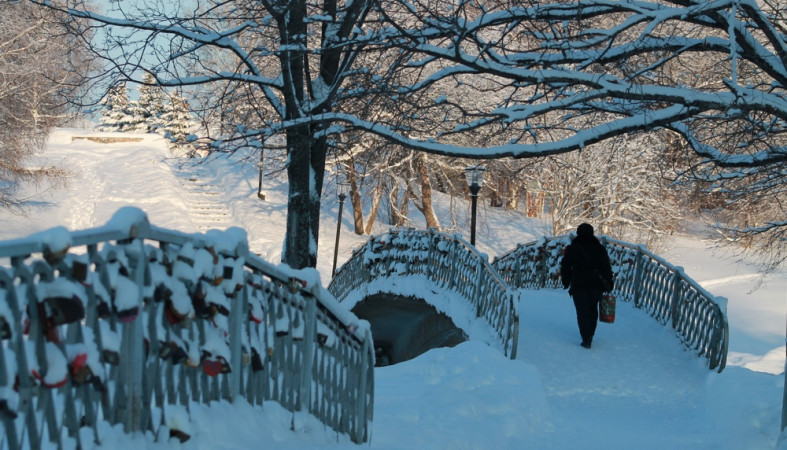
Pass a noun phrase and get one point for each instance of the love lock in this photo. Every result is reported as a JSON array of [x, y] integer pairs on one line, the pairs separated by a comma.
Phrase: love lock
[[201, 308], [173, 316], [62, 310], [128, 315], [102, 309], [178, 354], [80, 371], [253, 317], [179, 435], [79, 272], [5, 329], [110, 357], [256, 360], [214, 366]]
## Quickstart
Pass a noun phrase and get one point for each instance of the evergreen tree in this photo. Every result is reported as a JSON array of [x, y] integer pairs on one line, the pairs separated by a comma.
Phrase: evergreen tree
[[177, 123], [118, 113], [151, 105]]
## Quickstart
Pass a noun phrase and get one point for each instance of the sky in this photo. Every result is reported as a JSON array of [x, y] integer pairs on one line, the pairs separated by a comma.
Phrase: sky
[[637, 388]]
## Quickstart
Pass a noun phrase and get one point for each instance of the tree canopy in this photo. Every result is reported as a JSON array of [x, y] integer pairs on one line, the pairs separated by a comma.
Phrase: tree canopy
[[495, 79]]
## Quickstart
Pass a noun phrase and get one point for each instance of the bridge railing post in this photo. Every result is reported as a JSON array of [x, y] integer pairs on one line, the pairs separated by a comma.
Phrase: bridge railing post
[[477, 290], [638, 272], [675, 297], [362, 418], [238, 311], [543, 266], [132, 364], [430, 264], [308, 352]]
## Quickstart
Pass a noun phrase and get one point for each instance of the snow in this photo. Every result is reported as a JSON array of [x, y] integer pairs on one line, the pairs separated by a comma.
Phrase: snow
[[637, 387]]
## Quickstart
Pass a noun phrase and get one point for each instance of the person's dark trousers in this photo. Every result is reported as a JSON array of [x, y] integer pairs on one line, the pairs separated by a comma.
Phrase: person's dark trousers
[[586, 303]]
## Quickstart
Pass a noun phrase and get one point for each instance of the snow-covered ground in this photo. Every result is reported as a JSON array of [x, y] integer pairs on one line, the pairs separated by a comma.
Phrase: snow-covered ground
[[636, 389]]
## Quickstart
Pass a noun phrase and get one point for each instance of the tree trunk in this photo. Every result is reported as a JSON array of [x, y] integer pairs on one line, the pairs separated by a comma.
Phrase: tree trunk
[[376, 199], [355, 198], [300, 242], [426, 207], [512, 196], [399, 211]]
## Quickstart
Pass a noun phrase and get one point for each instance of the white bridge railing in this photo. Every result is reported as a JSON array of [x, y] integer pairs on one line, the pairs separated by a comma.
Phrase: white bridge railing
[[642, 278], [130, 323], [449, 262]]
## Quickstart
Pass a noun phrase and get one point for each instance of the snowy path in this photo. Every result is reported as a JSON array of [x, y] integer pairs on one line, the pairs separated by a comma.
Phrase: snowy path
[[636, 388], [637, 382]]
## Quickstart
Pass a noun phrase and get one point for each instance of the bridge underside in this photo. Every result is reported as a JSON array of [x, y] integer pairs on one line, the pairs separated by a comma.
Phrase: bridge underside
[[405, 327]]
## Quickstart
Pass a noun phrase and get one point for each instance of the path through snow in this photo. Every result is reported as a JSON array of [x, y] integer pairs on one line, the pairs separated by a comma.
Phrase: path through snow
[[636, 375], [636, 388]]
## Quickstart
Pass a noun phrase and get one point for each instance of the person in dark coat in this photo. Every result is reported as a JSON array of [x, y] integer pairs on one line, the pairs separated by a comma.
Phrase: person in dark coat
[[586, 272]]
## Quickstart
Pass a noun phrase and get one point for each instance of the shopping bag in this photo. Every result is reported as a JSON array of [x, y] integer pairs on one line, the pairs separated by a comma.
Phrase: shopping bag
[[606, 308]]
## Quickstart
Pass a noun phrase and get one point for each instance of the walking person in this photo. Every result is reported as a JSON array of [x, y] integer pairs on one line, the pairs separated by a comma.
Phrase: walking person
[[586, 272]]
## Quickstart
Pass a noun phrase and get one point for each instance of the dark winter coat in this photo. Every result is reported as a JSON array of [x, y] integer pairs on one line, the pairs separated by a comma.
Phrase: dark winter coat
[[582, 263]]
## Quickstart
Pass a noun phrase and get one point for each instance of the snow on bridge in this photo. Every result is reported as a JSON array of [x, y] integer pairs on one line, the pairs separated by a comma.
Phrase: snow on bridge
[[404, 261]]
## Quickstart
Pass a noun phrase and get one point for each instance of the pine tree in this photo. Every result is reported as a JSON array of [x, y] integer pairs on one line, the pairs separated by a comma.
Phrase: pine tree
[[177, 123], [151, 105], [119, 112]]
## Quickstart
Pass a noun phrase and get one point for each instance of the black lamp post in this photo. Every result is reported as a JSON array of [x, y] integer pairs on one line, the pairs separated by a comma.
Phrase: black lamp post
[[341, 190], [260, 195], [475, 181]]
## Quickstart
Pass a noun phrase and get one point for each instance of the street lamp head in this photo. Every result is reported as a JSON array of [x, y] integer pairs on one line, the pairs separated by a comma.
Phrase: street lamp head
[[342, 188], [475, 180], [475, 177]]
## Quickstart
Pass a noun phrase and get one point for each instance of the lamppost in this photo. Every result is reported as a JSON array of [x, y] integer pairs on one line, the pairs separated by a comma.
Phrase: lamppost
[[475, 181], [341, 190], [260, 195]]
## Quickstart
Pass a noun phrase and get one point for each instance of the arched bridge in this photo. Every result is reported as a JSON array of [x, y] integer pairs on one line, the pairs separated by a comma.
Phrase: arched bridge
[[443, 270], [641, 277]]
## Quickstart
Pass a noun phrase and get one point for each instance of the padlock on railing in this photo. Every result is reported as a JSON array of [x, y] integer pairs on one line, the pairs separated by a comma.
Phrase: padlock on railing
[[214, 365]]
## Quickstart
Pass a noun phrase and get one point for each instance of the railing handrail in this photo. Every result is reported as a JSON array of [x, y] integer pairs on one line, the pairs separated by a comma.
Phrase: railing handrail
[[488, 293], [646, 279], [273, 320]]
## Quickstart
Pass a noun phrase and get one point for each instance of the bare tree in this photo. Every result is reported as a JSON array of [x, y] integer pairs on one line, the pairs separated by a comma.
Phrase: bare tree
[[564, 75], [617, 186], [579, 73], [41, 68], [313, 45]]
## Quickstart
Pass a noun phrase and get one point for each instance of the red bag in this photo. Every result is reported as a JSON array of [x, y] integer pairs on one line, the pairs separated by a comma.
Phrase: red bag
[[606, 308]]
